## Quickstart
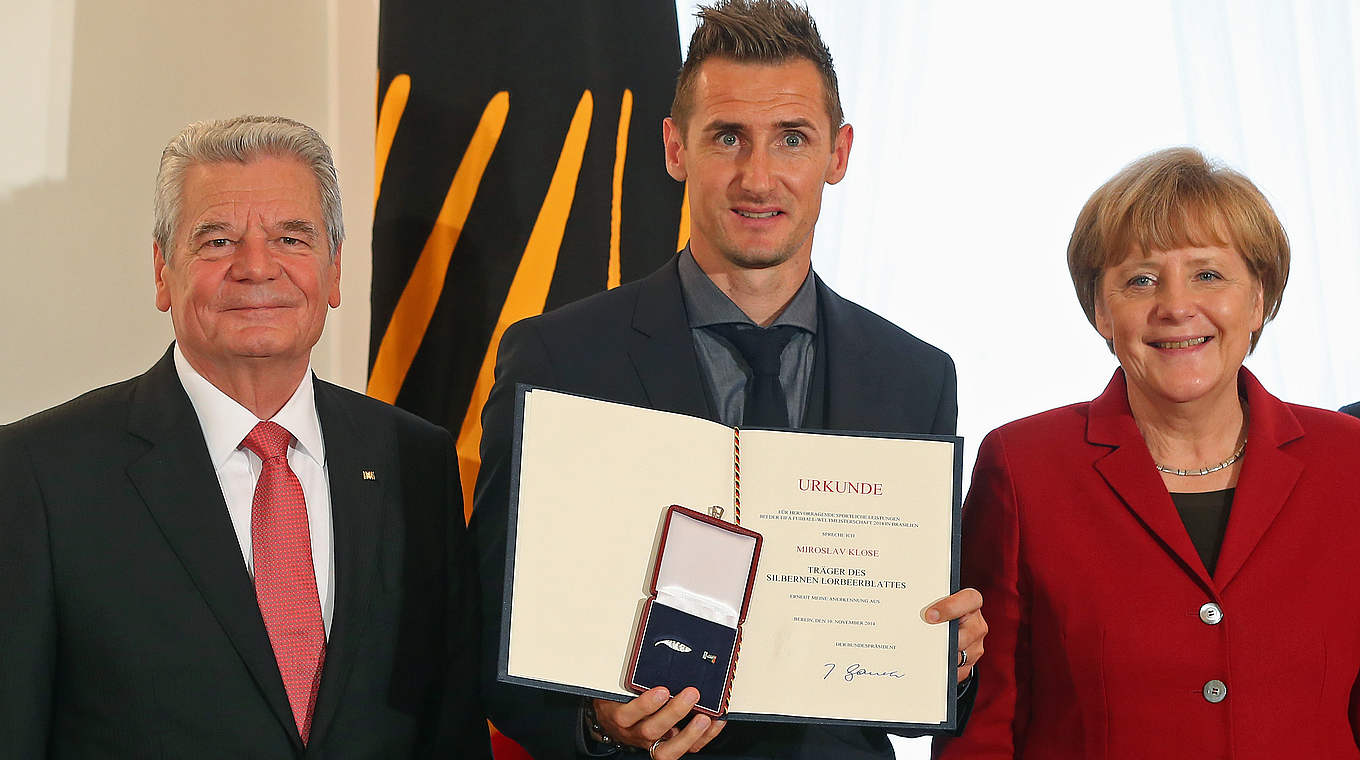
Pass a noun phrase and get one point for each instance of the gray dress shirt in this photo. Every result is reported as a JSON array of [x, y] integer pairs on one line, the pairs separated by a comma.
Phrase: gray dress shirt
[[724, 369]]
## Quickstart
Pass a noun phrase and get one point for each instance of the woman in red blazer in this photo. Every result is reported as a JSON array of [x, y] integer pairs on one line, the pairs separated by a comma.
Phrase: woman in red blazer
[[1173, 569]]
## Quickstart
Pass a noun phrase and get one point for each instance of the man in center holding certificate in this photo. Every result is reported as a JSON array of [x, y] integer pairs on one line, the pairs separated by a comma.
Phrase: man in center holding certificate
[[736, 328]]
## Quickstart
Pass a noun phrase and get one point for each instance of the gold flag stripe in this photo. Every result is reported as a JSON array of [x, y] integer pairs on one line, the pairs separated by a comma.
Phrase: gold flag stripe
[[683, 239], [411, 318], [616, 206], [389, 117], [529, 290]]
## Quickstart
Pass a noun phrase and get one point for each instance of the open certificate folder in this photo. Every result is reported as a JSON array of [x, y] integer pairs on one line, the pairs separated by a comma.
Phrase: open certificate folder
[[860, 535]]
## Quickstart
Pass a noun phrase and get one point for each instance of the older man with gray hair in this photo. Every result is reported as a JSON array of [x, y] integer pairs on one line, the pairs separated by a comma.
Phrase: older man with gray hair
[[227, 557]]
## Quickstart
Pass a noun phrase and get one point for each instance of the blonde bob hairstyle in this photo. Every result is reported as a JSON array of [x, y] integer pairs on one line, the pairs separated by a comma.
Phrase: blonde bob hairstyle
[[1177, 198]]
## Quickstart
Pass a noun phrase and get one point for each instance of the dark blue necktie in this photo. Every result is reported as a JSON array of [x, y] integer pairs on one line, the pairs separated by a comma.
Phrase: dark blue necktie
[[766, 404]]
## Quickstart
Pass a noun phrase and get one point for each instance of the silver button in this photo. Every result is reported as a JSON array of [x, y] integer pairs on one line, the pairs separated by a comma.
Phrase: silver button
[[1210, 613], [1215, 691]]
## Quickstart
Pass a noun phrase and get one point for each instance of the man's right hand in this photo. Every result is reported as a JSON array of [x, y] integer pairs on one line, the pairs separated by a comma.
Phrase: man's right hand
[[654, 715]]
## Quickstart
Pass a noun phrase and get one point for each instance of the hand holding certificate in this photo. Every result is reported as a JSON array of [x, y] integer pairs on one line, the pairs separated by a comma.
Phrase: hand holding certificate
[[859, 538]]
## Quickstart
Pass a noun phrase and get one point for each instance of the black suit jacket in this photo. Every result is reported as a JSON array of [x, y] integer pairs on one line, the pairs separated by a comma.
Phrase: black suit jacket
[[1352, 409], [633, 345], [128, 621]]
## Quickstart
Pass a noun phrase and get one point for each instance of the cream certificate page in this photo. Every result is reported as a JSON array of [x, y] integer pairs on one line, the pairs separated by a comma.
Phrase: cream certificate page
[[858, 541], [595, 480]]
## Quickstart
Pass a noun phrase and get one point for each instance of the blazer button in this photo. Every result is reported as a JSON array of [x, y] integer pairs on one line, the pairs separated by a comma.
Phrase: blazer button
[[1215, 691], [1210, 613]]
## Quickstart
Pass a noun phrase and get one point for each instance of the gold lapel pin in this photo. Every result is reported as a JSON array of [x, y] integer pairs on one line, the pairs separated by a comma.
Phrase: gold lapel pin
[[368, 475]]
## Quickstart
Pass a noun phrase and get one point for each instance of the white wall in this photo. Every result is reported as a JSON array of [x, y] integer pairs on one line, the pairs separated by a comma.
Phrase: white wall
[[92, 92]]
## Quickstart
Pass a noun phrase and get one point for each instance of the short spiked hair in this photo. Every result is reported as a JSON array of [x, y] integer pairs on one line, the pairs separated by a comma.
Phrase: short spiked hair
[[755, 31]]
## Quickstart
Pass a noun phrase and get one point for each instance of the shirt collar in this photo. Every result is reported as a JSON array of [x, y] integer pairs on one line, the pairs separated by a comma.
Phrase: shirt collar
[[226, 423], [707, 305]]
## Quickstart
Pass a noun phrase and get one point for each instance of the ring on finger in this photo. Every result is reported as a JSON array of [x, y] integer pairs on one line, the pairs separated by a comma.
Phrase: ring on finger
[[652, 752], [963, 657]]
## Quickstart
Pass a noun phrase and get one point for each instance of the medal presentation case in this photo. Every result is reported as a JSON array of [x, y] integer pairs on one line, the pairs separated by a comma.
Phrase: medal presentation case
[[690, 632]]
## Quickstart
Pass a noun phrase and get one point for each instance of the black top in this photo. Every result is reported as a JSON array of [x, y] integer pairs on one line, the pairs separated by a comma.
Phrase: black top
[[1206, 518]]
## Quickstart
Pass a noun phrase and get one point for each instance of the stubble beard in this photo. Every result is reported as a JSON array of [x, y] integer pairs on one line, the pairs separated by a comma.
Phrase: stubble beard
[[766, 257], [757, 259]]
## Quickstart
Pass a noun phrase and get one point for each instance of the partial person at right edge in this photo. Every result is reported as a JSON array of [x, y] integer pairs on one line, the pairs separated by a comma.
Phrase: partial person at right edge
[[1352, 409], [757, 132], [1170, 568]]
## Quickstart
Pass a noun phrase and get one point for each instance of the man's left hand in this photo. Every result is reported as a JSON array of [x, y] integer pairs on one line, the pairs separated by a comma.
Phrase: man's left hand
[[966, 607]]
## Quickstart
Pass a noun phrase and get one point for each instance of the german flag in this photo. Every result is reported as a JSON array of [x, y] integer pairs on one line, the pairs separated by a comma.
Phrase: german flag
[[519, 167]]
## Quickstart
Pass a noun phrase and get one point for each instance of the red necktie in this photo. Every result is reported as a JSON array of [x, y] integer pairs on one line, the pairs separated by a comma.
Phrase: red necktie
[[285, 583]]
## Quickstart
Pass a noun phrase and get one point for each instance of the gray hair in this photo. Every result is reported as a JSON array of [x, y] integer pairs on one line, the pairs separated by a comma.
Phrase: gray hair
[[243, 139]]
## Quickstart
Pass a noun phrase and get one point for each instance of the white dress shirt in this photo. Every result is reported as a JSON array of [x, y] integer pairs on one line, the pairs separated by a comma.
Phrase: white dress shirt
[[225, 424]]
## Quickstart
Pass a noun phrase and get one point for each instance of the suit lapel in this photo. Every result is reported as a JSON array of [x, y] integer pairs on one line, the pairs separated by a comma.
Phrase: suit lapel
[[175, 478], [663, 353], [353, 452], [853, 367], [1130, 472], [1267, 477]]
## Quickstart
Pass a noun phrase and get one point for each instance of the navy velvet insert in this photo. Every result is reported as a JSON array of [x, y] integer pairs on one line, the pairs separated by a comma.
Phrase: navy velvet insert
[[661, 665]]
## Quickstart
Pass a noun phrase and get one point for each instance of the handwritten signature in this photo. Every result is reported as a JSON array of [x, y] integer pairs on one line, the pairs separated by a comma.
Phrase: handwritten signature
[[855, 670]]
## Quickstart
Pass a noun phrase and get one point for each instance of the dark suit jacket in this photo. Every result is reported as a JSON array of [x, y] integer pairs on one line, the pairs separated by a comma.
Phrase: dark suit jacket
[[1352, 409], [1094, 590], [633, 345], [128, 621]]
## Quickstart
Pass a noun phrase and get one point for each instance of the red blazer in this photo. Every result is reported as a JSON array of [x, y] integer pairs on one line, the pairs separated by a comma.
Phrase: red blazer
[[1093, 592]]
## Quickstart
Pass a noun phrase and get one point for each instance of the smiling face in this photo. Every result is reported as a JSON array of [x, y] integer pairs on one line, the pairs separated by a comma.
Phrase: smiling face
[[757, 150], [1181, 322], [251, 275]]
